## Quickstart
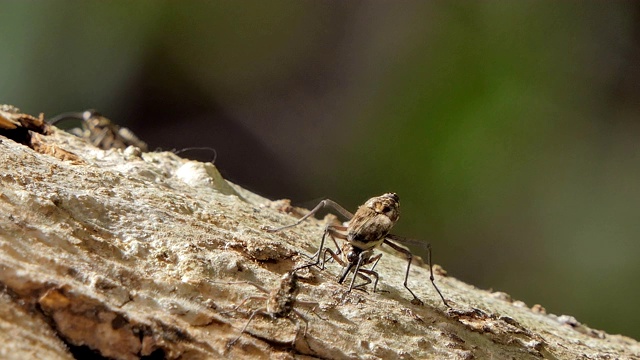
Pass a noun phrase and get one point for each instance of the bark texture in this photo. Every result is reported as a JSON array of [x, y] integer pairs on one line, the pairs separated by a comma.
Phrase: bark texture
[[130, 255]]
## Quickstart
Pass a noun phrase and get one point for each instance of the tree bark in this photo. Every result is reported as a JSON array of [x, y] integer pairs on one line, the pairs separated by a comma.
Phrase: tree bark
[[127, 255]]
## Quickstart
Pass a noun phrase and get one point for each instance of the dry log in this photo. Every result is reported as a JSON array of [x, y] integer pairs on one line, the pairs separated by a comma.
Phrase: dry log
[[125, 255]]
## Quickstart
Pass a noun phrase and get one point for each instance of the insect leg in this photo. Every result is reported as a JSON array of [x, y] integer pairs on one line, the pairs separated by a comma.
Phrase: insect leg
[[371, 272], [367, 279], [333, 255], [215, 153], [253, 314], [318, 253], [244, 282], [345, 272], [309, 303], [68, 115], [376, 259], [332, 231], [306, 322], [326, 202], [409, 256], [431, 276], [361, 259], [235, 308]]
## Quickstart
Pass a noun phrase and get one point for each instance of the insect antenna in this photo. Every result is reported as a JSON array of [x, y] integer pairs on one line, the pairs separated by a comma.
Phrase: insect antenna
[[71, 115], [195, 148]]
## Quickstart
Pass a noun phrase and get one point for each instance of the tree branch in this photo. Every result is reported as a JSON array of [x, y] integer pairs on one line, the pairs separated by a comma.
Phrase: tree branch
[[132, 254]]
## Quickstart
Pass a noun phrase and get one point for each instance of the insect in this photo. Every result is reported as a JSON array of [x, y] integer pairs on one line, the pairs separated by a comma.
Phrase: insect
[[279, 303], [100, 131], [367, 229]]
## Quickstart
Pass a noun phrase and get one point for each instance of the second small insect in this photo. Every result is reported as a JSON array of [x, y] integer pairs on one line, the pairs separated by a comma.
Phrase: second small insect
[[279, 303]]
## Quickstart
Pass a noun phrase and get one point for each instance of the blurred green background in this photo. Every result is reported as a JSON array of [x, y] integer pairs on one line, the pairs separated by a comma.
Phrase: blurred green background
[[509, 129]]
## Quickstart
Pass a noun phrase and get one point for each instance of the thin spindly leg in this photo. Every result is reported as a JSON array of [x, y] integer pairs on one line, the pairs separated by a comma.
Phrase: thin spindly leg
[[317, 261], [376, 259], [367, 279], [361, 260], [431, 276], [346, 267], [235, 308], [333, 255], [361, 271], [306, 322], [409, 256], [68, 115], [253, 314], [345, 271], [332, 231], [309, 303], [326, 202], [248, 283], [371, 272]]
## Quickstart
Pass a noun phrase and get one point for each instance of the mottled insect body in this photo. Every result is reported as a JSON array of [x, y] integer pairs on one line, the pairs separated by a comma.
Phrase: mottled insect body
[[101, 132], [372, 221], [281, 299], [279, 303], [367, 229]]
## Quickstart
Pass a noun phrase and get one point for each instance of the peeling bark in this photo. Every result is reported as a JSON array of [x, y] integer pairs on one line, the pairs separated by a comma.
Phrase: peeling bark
[[133, 254]]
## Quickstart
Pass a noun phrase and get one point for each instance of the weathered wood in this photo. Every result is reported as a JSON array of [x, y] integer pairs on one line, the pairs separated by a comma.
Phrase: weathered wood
[[131, 254]]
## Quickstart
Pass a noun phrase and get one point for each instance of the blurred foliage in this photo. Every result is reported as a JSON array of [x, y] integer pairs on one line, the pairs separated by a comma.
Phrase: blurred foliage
[[509, 129]]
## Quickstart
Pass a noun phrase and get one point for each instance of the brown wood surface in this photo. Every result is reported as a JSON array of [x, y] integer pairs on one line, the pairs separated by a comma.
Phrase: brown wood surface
[[132, 254]]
